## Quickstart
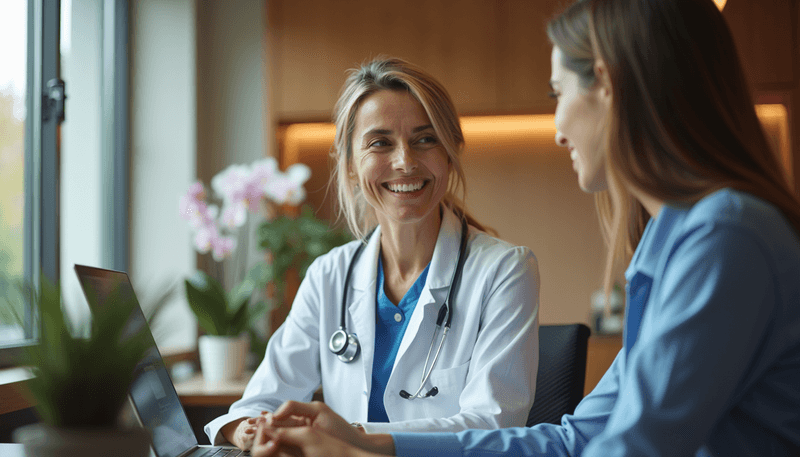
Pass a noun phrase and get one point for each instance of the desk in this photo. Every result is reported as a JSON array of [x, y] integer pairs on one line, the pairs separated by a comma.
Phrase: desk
[[196, 392], [12, 450], [13, 389]]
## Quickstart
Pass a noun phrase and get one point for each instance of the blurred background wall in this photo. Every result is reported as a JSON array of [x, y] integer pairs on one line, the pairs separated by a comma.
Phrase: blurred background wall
[[236, 75]]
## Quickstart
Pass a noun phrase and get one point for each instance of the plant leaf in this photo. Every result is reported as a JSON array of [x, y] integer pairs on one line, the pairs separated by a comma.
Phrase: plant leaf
[[239, 319], [207, 300], [83, 382]]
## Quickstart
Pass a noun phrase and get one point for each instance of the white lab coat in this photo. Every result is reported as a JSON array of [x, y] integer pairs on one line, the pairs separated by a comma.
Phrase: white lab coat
[[486, 372]]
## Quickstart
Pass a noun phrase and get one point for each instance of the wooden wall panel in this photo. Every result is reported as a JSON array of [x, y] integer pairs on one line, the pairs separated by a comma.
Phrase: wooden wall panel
[[316, 41], [524, 56], [493, 56], [763, 31], [529, 193]]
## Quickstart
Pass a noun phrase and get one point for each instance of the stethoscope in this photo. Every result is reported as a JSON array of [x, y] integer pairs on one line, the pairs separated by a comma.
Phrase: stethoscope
[[346, 347]]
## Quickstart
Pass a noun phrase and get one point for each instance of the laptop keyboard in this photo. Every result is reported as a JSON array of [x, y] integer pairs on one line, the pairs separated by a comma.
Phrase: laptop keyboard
[[220, 452]]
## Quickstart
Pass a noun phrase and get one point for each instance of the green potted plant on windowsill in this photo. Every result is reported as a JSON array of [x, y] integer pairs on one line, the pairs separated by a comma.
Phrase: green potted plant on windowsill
[[81, 381]]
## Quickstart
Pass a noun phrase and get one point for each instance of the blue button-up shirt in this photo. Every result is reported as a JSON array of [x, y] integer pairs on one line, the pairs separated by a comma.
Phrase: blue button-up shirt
[[714, 367]]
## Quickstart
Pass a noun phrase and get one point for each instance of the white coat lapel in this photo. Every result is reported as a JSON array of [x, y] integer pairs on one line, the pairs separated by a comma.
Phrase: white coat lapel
[[432, 297], [363, 303]]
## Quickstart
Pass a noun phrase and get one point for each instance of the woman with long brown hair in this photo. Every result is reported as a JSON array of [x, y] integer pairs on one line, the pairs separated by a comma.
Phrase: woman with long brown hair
[[655, 112]]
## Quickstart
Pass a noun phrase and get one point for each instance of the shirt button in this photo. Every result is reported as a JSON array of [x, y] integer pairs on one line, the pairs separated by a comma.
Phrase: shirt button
[[398, 317]]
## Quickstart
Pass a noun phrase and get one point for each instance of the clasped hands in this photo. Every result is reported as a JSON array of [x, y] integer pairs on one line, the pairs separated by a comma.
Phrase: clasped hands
[[309, 430]]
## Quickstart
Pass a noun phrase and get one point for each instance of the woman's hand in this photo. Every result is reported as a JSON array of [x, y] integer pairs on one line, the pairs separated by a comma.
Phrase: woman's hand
[[317, 421], [242, 432], [317, 415], [301, 441]]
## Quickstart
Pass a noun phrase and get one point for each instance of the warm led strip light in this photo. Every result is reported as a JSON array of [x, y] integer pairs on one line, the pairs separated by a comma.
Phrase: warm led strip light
[[504, 130], [479, 129]]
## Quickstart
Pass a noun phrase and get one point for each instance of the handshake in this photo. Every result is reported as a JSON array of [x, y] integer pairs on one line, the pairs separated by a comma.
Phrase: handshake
[[305, 429]]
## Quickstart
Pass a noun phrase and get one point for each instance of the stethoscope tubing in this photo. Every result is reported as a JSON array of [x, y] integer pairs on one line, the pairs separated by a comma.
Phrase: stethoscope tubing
[[357, 254], [445, 316], [426, 373]]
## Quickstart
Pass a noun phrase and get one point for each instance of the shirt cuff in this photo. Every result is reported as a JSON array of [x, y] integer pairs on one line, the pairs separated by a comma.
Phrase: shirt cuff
[[426, 444], [389, 427], [214, 427]]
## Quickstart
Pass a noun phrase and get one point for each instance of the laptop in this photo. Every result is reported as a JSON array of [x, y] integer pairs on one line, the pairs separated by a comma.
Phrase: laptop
[[152, 394]]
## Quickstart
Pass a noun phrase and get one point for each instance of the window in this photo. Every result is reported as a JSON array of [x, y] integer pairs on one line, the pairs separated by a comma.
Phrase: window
[[13, 79], [32, 30], [46, 166]]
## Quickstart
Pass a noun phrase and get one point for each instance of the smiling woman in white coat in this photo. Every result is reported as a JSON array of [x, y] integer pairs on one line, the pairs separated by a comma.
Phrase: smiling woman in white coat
[[425, 322]]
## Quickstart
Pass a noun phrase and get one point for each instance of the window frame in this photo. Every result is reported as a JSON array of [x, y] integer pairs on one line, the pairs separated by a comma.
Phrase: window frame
[[42, 152], [41, 163]]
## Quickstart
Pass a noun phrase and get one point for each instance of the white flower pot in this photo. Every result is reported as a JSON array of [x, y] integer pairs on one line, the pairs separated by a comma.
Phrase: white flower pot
[[222, 358], [42, 440]]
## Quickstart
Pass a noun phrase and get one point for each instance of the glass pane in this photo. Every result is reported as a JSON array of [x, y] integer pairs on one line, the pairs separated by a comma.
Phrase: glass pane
[[81, 145], [13, 35]]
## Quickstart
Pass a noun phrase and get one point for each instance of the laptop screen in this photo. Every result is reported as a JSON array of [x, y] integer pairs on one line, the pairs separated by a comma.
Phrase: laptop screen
[[152, 392]]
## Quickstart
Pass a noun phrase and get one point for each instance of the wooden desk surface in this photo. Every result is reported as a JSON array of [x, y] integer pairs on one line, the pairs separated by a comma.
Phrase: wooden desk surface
[[195, 391], [13, 390]]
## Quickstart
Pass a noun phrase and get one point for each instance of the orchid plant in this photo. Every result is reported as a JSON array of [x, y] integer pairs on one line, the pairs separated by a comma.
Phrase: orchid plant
[[291, 238], [242, 189]]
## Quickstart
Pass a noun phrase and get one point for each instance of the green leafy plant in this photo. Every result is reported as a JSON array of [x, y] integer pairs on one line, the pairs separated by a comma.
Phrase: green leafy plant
[[294, 243], [83, 381], [220, 313]]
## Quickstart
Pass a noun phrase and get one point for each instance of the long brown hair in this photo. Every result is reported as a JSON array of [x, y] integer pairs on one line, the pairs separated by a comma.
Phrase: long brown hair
[[682, 122], [385, 73]]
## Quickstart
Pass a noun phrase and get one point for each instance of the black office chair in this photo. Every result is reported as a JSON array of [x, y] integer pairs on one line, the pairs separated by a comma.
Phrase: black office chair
[[562, 372]]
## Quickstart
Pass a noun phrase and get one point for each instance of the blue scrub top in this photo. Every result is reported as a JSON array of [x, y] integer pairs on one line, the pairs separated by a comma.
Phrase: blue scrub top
[[390, 326]]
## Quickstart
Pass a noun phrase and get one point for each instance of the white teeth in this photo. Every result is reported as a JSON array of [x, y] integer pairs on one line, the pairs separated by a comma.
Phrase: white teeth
[[405, 187]]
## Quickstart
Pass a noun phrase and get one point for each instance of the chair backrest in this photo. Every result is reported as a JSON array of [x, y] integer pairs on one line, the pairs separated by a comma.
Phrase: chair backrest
[[562, 372]]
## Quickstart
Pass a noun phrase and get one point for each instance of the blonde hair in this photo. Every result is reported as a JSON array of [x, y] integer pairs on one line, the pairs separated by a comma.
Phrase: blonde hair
[[396, 75], [682, 123]]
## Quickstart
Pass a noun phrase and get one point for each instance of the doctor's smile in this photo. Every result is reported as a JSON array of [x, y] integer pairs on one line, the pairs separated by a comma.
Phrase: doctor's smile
[[405, 188]]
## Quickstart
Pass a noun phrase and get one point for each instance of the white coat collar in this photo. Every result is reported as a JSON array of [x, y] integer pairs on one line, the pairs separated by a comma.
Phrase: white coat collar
[[443, 262]]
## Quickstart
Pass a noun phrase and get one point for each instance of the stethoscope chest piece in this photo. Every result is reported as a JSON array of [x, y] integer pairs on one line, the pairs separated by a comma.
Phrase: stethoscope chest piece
[[345, 346]]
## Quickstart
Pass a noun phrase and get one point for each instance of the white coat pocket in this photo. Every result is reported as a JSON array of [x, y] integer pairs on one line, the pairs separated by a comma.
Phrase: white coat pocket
[[450, 382]]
